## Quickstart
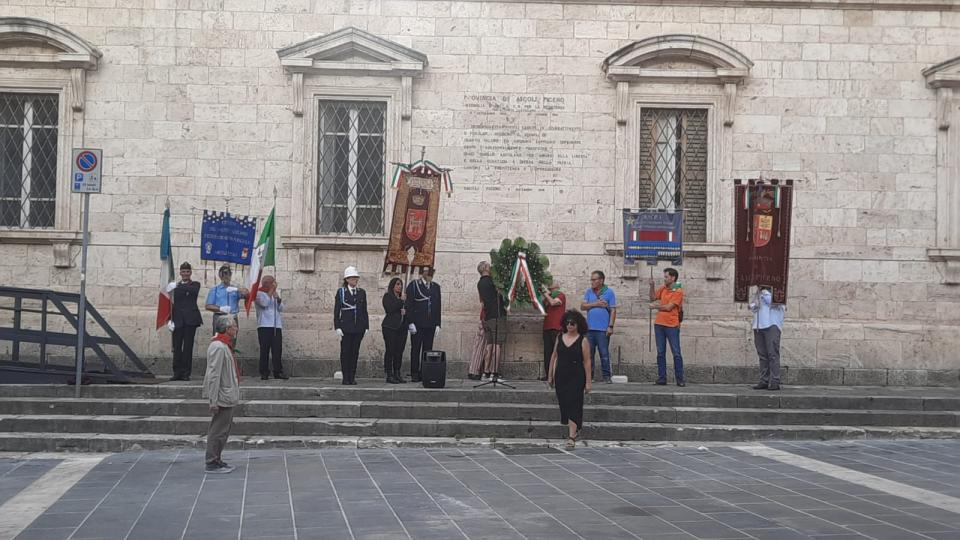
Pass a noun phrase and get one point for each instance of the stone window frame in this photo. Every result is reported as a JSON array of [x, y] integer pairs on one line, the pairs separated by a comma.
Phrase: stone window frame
[[62, 71], [945, 79], [350, 65], [640, 71]]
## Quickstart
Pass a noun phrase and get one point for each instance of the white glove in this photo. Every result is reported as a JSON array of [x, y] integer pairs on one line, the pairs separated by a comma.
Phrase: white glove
[[171, 286], [436, 332], [170, 326], [339, 333], [225, 309], [412, 328], [232, 289]]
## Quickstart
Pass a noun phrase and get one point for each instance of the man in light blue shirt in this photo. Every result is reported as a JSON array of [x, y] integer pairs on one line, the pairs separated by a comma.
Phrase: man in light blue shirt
[[767, 326], [600, 303], [224, 299]]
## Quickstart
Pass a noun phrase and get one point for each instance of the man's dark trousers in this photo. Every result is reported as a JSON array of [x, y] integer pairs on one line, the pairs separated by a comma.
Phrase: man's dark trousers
[[183, 350], [420, 343], [271, 340]]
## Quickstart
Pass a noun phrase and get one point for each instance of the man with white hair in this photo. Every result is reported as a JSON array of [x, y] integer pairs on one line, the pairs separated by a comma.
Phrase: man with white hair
[[221, 387]]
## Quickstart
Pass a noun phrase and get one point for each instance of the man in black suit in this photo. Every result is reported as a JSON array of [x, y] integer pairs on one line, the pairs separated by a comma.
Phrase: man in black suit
[[423, 312], [185, 320]]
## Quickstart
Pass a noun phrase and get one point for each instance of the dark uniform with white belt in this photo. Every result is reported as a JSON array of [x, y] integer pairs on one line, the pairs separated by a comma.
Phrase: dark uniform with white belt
[[423, 313], [351, 320]]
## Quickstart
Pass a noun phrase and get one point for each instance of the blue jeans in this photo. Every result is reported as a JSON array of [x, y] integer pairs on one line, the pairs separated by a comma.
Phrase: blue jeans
[[599, 339], [662, 335]]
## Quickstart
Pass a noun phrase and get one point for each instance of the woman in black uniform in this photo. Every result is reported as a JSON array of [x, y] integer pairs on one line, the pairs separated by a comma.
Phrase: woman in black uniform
[[394, 331], [570, 372]]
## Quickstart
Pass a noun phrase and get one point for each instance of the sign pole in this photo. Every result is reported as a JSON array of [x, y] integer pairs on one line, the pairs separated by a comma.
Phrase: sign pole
[[82, 309], [85, 176]]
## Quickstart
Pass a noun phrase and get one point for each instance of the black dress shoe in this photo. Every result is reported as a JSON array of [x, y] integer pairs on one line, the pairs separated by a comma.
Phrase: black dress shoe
[[773, 387], [281, 375], [400, 379], [175, 378], [661, 382], [345, 382], [681, 383], [353, 382], [264, 377], [760, 386], [415, 378], [391, 378]]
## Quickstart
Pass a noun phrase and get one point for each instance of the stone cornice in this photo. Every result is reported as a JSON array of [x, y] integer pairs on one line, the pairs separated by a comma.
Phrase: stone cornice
[[896, 5]]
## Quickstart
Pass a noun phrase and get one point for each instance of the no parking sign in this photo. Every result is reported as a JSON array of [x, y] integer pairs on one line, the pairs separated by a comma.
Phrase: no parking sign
[[85, 170]]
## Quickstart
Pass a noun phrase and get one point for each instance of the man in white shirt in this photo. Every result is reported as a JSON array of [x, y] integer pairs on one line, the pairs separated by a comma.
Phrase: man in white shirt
[[270, 328], [767, 326]]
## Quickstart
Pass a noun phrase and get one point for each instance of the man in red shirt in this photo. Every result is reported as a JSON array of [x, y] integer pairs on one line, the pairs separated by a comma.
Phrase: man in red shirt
[[555, 302], [668, 303]]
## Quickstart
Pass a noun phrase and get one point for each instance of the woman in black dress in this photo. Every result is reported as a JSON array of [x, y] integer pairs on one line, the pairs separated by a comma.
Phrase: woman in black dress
[[394, 331], [570, 372]]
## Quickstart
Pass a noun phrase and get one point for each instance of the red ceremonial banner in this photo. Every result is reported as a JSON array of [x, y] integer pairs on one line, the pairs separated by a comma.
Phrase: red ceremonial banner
[[415, 215], [762, 242]]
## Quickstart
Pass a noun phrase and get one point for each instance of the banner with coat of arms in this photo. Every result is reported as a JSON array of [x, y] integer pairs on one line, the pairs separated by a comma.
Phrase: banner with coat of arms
[[227, 238], [762, 243], [415, 217]]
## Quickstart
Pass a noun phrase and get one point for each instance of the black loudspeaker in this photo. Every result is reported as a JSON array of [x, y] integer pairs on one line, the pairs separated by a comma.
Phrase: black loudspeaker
[[434, 369]]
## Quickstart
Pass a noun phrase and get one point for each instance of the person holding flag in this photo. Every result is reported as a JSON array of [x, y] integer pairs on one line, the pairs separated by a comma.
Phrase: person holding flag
[[270, 328], [263, 256], [184, 321]]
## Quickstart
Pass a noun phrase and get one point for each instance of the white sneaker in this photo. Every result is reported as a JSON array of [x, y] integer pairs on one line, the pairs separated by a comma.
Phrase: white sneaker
[[486, 376], [501, 379]]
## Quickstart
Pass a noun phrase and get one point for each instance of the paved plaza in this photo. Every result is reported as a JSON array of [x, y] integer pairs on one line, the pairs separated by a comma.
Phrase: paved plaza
[[866, 489]]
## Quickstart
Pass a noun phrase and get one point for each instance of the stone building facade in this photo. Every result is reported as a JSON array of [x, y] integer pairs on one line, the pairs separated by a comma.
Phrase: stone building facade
[[553, 117]]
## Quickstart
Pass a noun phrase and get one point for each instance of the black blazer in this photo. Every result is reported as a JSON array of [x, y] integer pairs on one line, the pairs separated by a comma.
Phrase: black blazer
[[393, 320], [423, 304], [350, 311], [185, 310]]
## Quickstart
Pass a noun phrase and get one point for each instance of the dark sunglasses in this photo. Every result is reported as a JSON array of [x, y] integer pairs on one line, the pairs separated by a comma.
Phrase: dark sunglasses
[[574, 323]]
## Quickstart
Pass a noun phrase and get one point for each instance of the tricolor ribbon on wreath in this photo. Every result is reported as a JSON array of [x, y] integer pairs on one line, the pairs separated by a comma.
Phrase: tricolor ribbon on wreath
[[422, 166], [522, 272]]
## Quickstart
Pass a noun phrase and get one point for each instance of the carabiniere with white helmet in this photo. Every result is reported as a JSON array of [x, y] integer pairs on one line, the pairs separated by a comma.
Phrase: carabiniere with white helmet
[[351, 322]]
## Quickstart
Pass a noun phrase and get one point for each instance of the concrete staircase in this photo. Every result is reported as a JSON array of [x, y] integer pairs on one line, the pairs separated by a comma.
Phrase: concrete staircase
[[305, 413]]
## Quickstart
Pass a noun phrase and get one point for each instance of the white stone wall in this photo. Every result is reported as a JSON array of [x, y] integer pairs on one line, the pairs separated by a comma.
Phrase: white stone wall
[[190, 103]]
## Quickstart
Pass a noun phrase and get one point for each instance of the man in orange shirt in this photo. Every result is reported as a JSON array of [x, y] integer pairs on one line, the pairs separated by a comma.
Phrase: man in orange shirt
[[668, 302]]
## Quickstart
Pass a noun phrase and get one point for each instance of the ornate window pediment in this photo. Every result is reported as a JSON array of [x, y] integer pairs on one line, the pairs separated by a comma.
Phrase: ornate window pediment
[[43, 91], [945, 79], [677, 58], [26, 42], [352, 51], [352, 89]]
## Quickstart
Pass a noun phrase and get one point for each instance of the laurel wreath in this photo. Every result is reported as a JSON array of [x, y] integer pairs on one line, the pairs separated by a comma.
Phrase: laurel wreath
[[502, 261]]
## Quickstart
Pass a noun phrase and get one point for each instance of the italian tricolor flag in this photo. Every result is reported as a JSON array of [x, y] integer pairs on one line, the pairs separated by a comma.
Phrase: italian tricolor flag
[[262, 256], [165, 302]]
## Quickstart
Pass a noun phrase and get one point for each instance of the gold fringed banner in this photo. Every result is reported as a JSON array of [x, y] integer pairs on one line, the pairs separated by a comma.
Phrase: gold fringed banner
[[415, 219]]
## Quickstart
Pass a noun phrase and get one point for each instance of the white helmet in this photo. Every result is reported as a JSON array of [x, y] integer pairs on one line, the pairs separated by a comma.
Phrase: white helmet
[[350, 272]]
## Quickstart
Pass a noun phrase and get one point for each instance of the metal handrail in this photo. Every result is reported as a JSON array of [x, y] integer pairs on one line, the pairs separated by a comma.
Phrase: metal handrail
[[18, 334]]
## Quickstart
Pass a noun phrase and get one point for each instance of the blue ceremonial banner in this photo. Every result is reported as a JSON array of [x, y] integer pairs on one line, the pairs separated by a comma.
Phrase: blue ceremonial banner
[[653, 236], [226, 238]]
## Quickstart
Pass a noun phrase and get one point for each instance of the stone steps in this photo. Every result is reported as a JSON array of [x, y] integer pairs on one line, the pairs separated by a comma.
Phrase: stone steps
[[304, 413], [732, 396], [285, 410], [449, 433]]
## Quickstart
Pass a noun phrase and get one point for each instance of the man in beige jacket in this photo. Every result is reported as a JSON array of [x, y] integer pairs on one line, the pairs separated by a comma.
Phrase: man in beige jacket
[[221, 386]]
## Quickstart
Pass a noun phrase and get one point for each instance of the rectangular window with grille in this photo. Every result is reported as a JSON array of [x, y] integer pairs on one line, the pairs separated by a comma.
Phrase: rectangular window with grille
[[28, 159], [673, 165], [351, 164]]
